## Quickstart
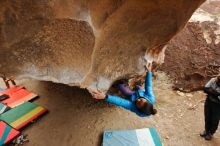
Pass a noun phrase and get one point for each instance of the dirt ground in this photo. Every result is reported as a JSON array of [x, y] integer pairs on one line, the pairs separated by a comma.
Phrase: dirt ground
[[192, 56], [76, 119], [198, 60]]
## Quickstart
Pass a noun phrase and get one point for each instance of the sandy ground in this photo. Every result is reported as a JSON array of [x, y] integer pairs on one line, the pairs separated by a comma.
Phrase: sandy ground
[[75, 119]]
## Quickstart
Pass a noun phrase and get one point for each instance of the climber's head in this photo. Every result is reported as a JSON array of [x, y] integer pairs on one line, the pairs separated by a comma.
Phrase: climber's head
[[218, 80], [145, 107]]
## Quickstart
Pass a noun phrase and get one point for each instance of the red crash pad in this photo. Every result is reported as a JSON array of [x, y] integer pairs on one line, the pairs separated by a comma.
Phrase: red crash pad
[[7, 133], [17, 95]]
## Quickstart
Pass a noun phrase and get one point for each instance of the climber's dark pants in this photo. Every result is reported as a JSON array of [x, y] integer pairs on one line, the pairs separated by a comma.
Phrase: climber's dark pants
[[212, 116], [126, 91]]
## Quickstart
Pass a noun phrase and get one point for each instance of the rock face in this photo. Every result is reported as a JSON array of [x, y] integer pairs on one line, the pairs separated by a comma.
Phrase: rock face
[[88, 43]]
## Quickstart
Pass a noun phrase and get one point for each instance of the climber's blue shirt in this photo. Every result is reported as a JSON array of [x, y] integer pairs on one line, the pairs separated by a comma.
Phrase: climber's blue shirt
[[130, 104]]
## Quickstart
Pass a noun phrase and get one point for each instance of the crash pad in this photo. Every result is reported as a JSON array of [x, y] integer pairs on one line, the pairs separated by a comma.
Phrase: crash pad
[[23, 114], [7, 133], [3, 108], [138, 137], [17, 95], [12, 89]]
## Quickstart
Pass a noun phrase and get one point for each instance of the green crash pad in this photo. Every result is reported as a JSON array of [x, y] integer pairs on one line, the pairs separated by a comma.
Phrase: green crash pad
[[23, 114]]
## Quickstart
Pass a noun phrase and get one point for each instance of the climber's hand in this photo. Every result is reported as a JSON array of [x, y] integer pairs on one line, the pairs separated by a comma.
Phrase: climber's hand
[[98, 94], [149, 67]]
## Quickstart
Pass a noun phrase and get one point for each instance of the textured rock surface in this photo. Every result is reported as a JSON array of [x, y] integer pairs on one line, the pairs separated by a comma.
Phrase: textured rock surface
[[192, 57], [87, 43]]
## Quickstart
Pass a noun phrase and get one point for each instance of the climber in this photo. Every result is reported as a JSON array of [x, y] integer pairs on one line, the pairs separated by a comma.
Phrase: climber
[[212, 107], [140, 101]]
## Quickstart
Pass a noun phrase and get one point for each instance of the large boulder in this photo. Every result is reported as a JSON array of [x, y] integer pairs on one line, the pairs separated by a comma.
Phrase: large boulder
[[88, 43]]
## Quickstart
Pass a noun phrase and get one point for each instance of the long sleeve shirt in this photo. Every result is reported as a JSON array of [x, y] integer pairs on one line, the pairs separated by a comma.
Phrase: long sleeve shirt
[[131, 104]]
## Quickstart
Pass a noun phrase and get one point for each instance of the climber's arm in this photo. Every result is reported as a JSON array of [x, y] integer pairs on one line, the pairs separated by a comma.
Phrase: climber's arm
[[113, 99], [119, 101]]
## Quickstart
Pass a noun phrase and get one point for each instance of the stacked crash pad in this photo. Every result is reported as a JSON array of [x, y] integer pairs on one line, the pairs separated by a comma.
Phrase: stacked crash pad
[[16, 112], [7, 133], [138, 137]]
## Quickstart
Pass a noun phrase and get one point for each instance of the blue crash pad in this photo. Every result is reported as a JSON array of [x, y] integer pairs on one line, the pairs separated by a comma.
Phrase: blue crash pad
[[138, 137]]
